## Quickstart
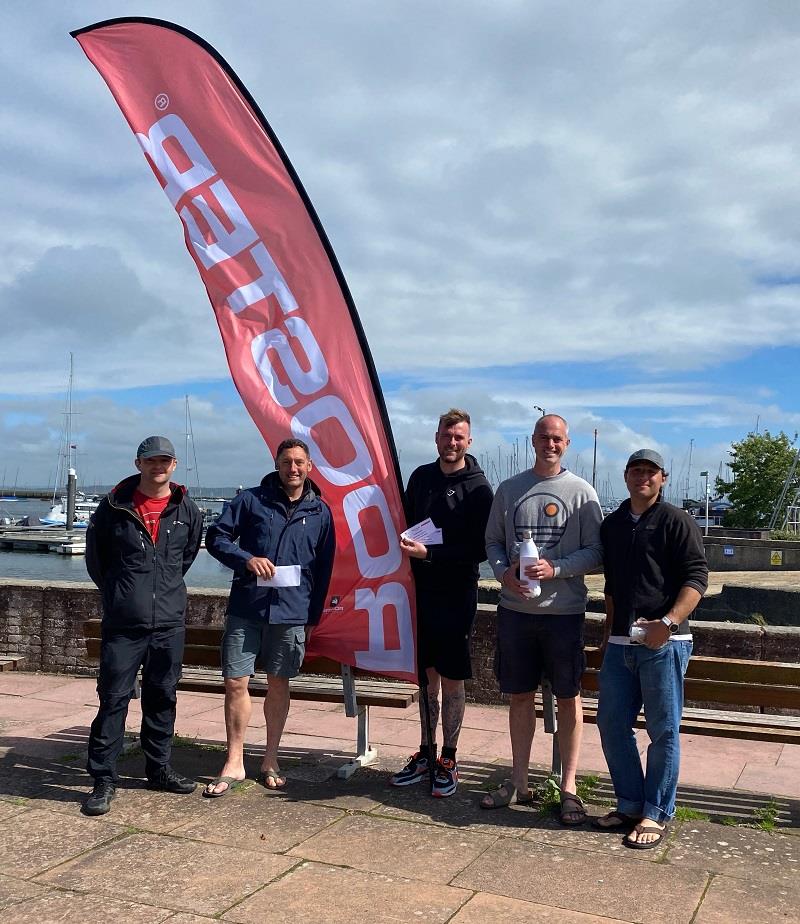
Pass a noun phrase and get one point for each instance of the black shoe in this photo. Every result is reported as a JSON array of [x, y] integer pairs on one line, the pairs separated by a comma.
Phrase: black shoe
[[168, 780], [99, 802]]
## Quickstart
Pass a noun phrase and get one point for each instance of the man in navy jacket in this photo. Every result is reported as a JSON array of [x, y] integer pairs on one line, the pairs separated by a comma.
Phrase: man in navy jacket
[[279, 541]]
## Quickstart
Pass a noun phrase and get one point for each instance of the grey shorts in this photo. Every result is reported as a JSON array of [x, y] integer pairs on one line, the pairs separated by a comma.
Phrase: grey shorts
[[279, 649]]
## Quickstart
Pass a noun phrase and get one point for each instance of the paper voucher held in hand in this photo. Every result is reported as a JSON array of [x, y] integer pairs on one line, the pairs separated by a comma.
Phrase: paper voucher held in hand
[[284, 576], [424, 532]]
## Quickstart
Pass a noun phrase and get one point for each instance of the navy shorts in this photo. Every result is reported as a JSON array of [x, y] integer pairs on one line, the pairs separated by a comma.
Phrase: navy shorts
[[533, 645], [279, 649], [444, 628]]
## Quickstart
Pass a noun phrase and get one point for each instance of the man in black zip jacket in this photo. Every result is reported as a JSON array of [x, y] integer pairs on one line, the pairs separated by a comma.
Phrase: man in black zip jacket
[[454, 493], [141, 541], [656, 574], [279, 541]]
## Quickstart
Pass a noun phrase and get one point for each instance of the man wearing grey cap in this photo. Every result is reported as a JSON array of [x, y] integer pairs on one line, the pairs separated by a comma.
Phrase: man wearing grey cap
[[141, 540], [656, 573]]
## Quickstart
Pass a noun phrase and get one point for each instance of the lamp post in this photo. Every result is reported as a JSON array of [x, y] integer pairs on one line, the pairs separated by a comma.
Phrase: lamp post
[[705, 474]]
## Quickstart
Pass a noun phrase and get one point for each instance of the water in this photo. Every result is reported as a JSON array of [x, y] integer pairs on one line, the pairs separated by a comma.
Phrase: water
[[47, 566]]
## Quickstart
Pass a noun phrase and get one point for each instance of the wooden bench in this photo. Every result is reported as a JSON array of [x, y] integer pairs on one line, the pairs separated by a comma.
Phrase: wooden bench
[[11, 662], [718, 681], [321, 680]]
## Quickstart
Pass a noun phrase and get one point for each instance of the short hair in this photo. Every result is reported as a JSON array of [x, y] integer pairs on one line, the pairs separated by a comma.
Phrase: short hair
[[557, 416], [454, 416], [292, 444]]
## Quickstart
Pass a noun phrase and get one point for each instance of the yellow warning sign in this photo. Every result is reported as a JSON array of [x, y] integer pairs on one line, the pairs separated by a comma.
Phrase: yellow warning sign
[[776, 557]]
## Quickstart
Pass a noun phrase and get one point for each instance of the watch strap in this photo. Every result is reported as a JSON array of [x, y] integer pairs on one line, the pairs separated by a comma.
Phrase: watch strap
[[672, 626]]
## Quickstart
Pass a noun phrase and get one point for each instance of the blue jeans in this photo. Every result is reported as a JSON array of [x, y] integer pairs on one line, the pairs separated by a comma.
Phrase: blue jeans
[[633, 676]]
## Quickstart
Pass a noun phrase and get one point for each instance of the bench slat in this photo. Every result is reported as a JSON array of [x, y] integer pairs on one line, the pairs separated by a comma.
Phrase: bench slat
[[320, 689]]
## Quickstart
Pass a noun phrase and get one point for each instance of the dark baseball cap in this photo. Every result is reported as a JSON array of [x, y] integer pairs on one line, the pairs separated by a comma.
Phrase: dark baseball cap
[[155, 446], [645, 455]]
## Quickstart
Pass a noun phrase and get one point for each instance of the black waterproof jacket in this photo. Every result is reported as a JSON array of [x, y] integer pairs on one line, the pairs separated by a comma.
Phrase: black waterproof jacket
[[142, 584], [459, 505], [647, 563], [261, 522]]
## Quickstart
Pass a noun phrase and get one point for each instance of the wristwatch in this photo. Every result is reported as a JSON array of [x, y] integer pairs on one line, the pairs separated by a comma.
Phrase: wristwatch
[[672, 626]]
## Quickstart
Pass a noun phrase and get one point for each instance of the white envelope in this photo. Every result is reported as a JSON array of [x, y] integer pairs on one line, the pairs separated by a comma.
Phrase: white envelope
[[285, 576]]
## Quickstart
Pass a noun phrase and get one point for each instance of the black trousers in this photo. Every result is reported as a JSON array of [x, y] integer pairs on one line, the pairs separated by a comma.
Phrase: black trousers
[[159, 653]]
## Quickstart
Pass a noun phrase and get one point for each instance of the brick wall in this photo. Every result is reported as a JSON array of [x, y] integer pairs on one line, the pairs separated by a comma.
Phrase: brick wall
[[44, 622]]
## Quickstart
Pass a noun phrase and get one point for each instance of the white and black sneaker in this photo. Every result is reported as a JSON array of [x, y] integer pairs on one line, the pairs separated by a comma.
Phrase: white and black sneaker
[[445, 781], [415, 770]]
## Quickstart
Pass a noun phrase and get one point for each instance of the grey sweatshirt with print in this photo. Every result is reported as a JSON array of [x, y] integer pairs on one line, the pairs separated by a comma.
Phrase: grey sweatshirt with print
[[563, 515]]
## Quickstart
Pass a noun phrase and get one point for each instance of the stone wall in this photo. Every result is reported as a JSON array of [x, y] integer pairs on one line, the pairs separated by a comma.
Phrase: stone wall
[[44, 623], [750, 554]]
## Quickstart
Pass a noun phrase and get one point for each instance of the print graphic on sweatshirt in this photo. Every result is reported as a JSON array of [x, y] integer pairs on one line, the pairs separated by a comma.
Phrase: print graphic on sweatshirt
[[544, 516]]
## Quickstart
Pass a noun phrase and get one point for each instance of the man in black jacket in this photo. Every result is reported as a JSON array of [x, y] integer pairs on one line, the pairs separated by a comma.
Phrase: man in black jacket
[[455, 494], [141, 540], [656, 574]]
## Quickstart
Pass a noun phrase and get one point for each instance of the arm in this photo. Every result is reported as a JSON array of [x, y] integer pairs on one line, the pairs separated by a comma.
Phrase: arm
[[685, 603], [469, 546], [97, 544], [323, 569], [221, 537], [609, 621], [589, 554], [194, 539]]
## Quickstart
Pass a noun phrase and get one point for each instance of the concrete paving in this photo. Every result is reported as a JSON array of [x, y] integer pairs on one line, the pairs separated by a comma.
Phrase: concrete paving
[[358, 850]]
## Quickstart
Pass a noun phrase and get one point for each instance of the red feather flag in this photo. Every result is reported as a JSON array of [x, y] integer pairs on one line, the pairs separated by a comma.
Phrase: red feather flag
[[295, 346]]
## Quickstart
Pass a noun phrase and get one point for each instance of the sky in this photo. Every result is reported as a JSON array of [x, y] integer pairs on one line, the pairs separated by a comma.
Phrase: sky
[[588, 208]]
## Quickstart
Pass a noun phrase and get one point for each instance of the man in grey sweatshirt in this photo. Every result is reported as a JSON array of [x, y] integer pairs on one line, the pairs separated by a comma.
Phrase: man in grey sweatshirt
[[543, 635]]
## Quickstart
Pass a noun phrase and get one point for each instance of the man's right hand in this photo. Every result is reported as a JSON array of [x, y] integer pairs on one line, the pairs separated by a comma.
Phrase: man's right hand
[[511, 582], [260, 567]]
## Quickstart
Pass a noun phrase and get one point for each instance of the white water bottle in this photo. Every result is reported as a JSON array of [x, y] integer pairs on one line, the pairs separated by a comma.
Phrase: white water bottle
[[528, 555]]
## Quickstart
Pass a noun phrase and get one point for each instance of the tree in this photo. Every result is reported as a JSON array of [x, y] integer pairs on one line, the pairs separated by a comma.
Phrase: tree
[[760, 464]]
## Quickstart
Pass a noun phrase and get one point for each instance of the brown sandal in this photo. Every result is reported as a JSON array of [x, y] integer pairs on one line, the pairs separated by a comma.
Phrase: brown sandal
[[506, 794], [572, 799]]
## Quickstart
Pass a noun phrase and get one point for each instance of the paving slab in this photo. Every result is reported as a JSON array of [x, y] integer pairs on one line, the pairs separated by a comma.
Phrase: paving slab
[[183, 918], [348, 896], [33, 841], [13, 891], [23, 710], [562, 878], [743, 853], [546, 829], [88, 909], [20, 683], [50, 738], [79, 690], [778, 779], [462, 809], [729, 900], [258, 821], [484, 908], [382, 845], [181, 875], [7, 809]]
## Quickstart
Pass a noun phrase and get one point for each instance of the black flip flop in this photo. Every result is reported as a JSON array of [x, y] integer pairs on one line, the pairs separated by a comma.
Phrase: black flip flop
[[624, 822], [635, 845]]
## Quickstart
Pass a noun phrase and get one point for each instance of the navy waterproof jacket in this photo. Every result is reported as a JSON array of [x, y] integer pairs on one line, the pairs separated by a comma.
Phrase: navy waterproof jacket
[[261, 522], [141, 583]]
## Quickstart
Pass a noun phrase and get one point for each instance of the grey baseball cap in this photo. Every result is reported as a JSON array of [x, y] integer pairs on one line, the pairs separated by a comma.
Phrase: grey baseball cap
[[645, 455], [155, 446]]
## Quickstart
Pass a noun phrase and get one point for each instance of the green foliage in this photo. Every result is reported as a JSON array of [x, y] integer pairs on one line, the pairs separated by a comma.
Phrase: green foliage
[[684, 813], [760, 464], [767, 815], [586, 787], [788, 535], [549, 795], [730, 821]]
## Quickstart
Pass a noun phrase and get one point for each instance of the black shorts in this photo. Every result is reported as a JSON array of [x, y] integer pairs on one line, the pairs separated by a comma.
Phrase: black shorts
[[444, 627], [530, 646]]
